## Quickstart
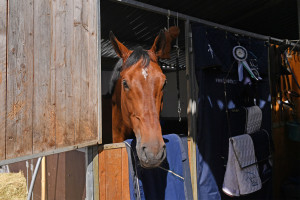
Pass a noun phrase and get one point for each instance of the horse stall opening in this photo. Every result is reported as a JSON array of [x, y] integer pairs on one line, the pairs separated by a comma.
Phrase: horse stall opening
[[49, 77], [138, 27]]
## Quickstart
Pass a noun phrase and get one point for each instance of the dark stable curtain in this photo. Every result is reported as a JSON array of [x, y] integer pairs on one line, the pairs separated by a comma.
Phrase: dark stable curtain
[[214, 64]]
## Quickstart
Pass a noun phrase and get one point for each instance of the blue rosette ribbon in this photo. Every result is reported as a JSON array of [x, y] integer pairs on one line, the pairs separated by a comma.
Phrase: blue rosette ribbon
[[241, 54]]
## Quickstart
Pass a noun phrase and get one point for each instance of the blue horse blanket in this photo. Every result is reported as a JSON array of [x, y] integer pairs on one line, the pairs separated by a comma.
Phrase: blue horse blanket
[[172, 180]]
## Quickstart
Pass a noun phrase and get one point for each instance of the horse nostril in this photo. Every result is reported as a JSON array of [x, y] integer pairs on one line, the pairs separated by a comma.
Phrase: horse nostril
[[143, 150], [162, 153]]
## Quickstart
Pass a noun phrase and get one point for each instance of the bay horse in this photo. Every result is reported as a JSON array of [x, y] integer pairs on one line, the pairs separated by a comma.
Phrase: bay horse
[[137, 90]]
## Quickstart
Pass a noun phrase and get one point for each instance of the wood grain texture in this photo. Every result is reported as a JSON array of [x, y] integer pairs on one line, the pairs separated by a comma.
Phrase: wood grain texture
[[50, 97], [96, 171], [62, 23], [56, 176], [125, 175], [113, 174], [102, 174], [19, 78], [43, 107], [3, 25], [85, 63]]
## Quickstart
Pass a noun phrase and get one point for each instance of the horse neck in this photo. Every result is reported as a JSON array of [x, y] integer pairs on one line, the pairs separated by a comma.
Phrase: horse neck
[[120, 131]]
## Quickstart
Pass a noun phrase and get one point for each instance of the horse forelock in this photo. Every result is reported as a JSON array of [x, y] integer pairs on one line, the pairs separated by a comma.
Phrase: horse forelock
[[138, 54]]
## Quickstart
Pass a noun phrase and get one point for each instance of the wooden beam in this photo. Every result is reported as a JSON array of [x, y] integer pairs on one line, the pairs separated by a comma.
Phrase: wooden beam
[[96, 171], [3, 38], [192, 105], [43, 179], [89, 174]]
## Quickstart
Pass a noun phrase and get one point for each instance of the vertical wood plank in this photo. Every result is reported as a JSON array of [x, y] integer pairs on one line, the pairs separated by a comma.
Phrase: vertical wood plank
[[96, 171], [113, 174], [70, 121], [62, 25], [19, 78], [93, 70], [85, 67], [43, 108], [125, 175], [3, 26], [191, 109], [56, 176], [102, 174]]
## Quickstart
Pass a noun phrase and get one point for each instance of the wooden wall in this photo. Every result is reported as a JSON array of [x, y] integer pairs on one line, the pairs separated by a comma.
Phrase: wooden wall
[[65, 176], [113, 173], [48, 75]]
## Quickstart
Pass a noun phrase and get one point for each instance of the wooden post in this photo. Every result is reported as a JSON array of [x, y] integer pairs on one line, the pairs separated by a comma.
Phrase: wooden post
[[192, 105], [92, 178], [43, 179], [96, 171]]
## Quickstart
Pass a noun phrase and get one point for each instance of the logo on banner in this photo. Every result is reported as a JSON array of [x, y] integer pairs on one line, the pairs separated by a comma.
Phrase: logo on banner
[[211, 51]]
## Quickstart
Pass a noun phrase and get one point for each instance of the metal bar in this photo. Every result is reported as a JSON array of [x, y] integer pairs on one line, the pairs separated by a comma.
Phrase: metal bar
[[191, 114], [162, 11], [33, 178], [55, 151], [89, 174]]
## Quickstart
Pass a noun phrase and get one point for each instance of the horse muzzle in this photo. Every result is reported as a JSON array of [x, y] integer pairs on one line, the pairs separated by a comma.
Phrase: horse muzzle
[[151, 157]]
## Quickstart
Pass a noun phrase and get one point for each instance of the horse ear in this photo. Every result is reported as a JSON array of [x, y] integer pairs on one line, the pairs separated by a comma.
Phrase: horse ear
[[159, 44], [119, 48]]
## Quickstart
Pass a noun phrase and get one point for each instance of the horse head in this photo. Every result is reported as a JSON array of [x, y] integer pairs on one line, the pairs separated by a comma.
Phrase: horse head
[[137, 99]]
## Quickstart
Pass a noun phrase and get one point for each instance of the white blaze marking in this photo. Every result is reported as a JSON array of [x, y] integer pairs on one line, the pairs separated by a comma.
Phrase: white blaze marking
[[145, 73]]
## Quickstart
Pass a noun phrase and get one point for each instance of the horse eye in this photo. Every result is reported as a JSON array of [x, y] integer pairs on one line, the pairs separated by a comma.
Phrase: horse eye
[[125, 85]]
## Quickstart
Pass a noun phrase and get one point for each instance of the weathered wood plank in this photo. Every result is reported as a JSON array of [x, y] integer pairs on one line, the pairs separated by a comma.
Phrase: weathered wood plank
[[125, 176], [3, 25], [113, 174], [19, 78], [69, 37], [96, 172], [85, 22], [56, 175], [102, 174], [93, 70], [43, 109], [62, 26]]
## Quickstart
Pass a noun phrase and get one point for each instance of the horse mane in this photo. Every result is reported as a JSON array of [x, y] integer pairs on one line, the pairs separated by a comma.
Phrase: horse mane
[[137, 54]]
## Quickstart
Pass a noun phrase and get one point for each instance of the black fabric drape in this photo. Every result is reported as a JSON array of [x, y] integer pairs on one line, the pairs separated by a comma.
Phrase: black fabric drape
[[215, 65]]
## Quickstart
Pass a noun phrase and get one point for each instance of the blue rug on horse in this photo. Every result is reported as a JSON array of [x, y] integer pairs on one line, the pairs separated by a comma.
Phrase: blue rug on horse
[[172, 180]]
